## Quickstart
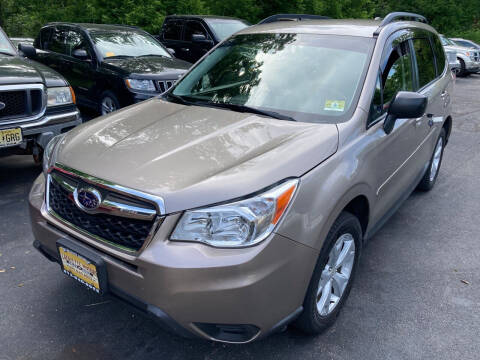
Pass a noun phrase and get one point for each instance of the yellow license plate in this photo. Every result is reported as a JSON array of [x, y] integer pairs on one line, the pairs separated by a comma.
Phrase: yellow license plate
[[79, 268], [10, 137]]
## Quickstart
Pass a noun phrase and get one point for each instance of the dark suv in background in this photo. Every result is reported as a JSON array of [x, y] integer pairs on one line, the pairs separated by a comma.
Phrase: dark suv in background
[[192, 36], [109, 66]]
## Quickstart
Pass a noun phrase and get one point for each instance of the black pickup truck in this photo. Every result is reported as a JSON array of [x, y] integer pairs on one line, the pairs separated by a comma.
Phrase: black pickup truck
[[36, 103]]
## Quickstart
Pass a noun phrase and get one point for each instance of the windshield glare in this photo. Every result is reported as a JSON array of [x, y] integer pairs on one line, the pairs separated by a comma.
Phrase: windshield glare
[[5, 45], [223, 28], [309, 77], [127, 43], [446, 42]]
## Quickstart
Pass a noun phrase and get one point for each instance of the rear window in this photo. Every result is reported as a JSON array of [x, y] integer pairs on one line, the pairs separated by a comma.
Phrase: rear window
[[425, 61], [172, 30]]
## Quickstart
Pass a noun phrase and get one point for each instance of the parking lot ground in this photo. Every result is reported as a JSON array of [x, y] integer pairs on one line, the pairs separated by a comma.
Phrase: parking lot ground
[[416, 295]]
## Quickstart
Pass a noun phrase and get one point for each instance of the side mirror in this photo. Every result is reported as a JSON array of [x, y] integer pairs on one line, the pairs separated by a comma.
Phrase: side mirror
[[171, 51], [198, 38], [405, 104], [27, 50], [80, 54]]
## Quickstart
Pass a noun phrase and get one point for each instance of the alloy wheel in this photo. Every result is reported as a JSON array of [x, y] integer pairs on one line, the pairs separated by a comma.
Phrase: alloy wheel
[[437, 156], [336, 274], [108, 105]]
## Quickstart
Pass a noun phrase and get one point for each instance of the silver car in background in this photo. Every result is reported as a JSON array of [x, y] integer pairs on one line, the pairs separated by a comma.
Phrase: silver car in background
[[469, 58]]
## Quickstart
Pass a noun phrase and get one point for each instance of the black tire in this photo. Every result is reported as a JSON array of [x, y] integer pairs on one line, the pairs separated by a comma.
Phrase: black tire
[[310, 321], [462, 72], [428, 182], [111, 98]]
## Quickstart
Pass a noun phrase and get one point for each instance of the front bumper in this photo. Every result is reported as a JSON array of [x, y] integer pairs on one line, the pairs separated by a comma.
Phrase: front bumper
[[472, 66], [193, 288], [455, 65], [40, 131]]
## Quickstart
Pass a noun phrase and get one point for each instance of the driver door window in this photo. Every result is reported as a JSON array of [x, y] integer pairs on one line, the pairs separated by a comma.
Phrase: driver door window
[[75, 41], [396, 76], [194, 28]]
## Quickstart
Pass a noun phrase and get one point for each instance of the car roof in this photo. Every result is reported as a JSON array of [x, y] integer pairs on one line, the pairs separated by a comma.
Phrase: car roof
[[97, 27], [348, 27], [200, 17]]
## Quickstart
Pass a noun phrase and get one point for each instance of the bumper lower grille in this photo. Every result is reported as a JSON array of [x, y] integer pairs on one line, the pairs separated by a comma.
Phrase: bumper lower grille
[[20, 103], [124, 232]]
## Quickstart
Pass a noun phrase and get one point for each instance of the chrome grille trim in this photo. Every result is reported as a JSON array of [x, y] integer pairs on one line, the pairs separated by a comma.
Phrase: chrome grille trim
[[27, 88], [121, 210], [164, 85]]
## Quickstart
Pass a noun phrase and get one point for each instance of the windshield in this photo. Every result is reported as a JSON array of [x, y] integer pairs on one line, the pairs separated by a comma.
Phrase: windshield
[[5, 45], [446, 42], [308, 77], [127, 43], [223, 28]]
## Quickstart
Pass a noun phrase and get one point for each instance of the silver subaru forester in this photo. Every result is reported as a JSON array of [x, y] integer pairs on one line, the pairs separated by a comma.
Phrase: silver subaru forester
[[240, 200]]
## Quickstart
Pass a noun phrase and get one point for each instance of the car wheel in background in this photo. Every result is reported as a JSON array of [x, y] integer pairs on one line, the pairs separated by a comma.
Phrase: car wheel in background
[[108, 103], [333, 275], [463, 70], [430, 177]]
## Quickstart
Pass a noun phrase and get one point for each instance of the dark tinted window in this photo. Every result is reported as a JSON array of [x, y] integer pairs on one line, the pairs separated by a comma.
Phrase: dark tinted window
[[398, 73], [57, 42], [425, 61], [194, 27], [439, 54], [172, 30]]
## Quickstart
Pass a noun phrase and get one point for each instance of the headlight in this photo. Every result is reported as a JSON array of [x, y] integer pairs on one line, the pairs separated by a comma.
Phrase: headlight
[[238, 224], [50, 152], [143, 85], [60, 96]]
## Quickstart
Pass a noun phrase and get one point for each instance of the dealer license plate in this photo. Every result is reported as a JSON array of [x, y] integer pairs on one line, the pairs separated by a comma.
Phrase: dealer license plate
[[79, 268], [10, 137]]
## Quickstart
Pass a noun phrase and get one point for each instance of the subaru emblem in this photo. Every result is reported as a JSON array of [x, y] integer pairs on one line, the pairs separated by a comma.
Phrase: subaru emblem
[[2, 105], [87, 199]]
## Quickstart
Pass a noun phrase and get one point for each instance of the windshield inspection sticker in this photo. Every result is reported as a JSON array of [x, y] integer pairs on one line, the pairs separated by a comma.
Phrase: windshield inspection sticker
[[334, 105], [109, 53]]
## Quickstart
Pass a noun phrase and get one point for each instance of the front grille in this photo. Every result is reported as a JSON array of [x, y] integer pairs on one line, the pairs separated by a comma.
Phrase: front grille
[[164, 85], [121, 231], [20, 103]]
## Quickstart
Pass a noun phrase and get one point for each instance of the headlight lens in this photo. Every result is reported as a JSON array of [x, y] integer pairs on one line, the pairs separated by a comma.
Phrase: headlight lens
[[143, 85], [60, 96], [49, 154], [238, 224]]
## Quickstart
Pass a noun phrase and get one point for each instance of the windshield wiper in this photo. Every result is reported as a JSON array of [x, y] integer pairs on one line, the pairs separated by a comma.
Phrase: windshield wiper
[[176, 98], [153, 55], [6, 53], [248, 109]]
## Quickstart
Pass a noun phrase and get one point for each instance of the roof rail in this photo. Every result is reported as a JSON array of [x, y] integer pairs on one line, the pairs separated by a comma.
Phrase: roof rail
[[395, 16], [291, 17]]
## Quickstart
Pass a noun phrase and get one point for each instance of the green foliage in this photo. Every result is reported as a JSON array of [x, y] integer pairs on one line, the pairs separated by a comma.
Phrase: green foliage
[[24, 17]]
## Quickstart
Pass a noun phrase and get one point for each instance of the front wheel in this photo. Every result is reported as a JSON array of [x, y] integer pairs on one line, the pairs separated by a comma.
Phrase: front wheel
[[428, 181], [108, 103], [332, 278]]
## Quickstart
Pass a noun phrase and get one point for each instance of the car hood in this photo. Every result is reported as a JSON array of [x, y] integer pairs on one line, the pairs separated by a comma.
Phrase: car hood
[[460, 49], [149, 67], [19, 70], [195, 156]]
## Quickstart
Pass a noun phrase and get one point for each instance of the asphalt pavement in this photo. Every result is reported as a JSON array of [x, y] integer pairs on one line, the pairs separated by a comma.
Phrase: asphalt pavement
[[416, 295]]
